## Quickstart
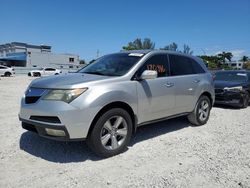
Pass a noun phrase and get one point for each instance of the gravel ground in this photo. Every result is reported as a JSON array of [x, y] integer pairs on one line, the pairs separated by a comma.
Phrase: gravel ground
[[168, 154]]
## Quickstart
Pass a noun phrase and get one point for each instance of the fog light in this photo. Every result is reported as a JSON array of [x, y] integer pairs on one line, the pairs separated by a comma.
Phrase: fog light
[[54, 132]]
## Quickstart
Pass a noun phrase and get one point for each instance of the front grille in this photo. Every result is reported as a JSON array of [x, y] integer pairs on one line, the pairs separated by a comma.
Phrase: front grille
[[30, 100], [48, 119], [219, 90]]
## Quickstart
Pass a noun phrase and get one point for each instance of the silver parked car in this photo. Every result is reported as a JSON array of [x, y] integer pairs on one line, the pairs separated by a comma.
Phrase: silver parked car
[[47, 71], [107, 100]]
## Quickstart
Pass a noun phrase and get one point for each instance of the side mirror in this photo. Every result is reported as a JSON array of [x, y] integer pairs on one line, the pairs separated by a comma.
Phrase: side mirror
[[148, 74]]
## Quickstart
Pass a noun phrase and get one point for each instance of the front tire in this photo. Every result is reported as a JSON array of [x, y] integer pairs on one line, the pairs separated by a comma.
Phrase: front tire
[[7, 74], [201, 113], [111, 133]]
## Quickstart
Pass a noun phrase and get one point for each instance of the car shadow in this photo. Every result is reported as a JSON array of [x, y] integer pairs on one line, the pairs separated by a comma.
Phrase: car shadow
[[66, 152], [156, 129], [226, 107]]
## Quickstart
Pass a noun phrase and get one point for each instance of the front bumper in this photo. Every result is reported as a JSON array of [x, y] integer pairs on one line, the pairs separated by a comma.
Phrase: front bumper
[[40, 129], [229, 98], [74, 121]]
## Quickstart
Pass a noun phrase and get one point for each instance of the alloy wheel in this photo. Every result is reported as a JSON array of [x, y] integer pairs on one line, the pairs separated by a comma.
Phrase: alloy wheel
[[203, 111], [114, 132]]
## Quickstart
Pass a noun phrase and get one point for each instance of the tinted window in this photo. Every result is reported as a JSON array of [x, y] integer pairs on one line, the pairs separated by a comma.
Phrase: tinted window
[[180, 65], [49, 69], [231, 76], [158, 63], [197, 67]]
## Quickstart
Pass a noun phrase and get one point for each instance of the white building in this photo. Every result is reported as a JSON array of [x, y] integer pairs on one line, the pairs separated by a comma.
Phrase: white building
[[19, 54], [235, 64]]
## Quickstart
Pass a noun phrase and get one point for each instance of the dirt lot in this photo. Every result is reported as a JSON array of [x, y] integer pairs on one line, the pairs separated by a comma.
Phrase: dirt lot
[[167, 154]]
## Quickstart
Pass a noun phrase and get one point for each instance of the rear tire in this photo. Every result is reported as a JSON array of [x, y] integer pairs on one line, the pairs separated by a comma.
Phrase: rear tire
[[245, 101], [111, 133], [201, 113]]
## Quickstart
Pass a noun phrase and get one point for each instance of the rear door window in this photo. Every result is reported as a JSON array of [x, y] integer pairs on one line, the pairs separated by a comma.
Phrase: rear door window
[[180, 65]]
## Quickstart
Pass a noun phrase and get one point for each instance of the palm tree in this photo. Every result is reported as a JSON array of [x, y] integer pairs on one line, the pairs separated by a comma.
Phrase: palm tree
[[244, 59], [225, 55]]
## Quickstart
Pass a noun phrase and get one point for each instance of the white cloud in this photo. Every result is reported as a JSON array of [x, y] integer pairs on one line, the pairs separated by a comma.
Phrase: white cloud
[[238, 53]]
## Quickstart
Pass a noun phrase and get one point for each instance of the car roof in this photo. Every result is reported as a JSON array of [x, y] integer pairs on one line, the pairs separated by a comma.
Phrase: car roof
[[146, 51]]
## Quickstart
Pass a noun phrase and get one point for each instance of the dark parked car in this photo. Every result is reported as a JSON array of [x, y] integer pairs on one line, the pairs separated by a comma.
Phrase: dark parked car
[[232, 88]]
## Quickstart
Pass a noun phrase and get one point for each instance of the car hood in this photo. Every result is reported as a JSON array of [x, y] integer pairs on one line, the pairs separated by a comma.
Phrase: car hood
[[222, 84], [66, 81]]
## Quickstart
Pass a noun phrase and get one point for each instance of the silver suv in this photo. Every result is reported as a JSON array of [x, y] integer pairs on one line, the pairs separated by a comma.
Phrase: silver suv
[[107, 100]]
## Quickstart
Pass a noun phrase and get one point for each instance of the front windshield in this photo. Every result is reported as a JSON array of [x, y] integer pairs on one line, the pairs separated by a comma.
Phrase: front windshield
[[112, 65], [231, 76]]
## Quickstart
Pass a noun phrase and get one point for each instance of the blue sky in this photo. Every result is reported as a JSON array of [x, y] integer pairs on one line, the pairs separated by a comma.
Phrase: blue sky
[[83, 27]]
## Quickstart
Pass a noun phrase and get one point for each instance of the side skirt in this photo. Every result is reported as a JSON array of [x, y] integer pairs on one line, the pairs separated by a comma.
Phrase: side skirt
[[162, 119]]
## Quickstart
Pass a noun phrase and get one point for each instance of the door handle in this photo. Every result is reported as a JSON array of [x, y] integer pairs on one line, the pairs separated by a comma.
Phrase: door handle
[[169, 84], [196, 81]]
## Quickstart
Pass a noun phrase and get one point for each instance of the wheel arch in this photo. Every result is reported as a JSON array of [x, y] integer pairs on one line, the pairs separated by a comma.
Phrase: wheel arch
[[116, 104], [209, 95], [7, 73]]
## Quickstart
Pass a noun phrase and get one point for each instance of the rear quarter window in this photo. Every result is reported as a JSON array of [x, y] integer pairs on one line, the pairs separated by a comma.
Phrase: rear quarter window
[[197, 67]]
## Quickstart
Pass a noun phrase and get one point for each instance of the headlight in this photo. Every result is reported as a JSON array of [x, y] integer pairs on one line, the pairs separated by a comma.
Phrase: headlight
[[238, 88], [66, 95]]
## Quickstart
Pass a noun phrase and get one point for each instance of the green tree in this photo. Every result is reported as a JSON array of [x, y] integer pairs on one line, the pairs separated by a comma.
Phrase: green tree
[[244, 59], [214, 62], [246, 65], [187, 49], [171, 47], [225, 55], [138, 44], [174, 47]]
